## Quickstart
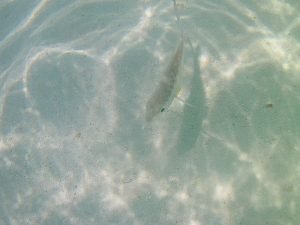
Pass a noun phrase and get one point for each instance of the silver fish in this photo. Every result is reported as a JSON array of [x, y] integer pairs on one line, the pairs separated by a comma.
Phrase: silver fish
[[162, 94]]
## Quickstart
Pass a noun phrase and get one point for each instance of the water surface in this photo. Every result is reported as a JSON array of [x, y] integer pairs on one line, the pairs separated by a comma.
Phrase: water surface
[[74, 145]]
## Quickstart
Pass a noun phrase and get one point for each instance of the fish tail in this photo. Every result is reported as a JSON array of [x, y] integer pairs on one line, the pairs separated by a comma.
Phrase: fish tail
[[178, 18]]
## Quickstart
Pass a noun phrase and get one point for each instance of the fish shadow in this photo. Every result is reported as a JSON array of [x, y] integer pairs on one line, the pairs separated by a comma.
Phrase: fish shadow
[[194, 110]]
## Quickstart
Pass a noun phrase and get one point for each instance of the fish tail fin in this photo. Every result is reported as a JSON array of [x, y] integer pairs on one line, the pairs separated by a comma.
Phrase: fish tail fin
[[179, 24], [177, 6]]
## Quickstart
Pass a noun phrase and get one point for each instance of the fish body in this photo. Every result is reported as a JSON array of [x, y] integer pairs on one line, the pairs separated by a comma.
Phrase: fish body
[[162, 94]]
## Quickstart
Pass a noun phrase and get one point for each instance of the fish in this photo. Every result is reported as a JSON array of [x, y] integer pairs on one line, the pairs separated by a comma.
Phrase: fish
[[162, 95]]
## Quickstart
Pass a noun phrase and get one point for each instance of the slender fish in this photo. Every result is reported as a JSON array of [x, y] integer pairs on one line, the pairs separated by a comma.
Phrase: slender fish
[[162, 94]]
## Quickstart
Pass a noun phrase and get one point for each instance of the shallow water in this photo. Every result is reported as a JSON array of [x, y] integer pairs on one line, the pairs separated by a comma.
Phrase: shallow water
[[76, 76]]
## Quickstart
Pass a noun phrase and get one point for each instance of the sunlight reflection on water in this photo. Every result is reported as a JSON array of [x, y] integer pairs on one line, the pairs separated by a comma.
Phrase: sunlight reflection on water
[[75, 78]]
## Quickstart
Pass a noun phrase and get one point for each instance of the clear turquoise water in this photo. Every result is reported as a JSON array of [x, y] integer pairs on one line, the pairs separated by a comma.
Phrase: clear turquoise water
[[76, 76]]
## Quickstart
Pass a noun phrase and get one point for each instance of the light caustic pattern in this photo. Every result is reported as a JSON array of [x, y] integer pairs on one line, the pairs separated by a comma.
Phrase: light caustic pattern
[[75, 79]]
